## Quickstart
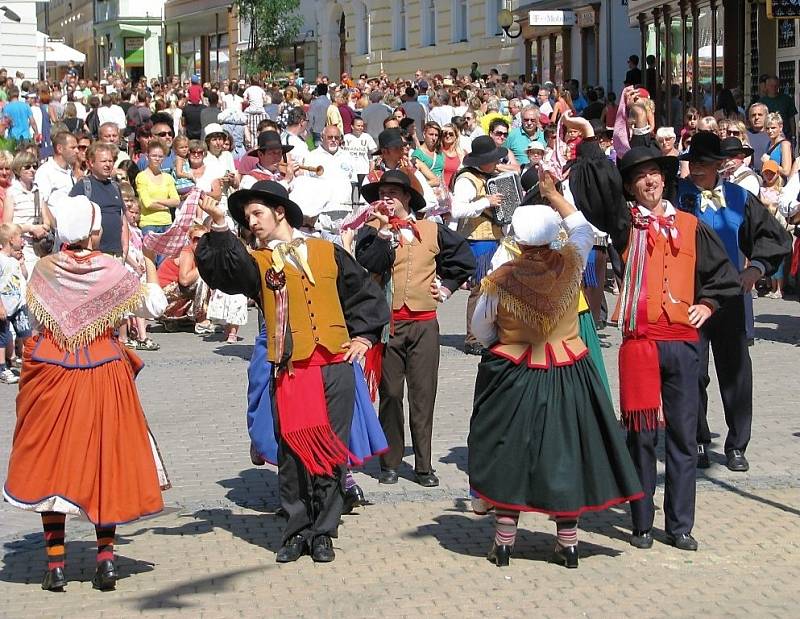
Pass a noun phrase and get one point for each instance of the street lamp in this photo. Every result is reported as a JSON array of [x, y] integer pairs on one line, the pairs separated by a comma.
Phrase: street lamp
[[505, 19], [9, 14]]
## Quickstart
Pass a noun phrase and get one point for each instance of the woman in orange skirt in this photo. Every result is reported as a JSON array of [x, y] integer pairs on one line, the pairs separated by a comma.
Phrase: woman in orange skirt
[[81, 443]]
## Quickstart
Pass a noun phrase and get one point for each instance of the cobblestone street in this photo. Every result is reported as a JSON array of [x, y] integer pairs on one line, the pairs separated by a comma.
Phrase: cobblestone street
[[413, 551]]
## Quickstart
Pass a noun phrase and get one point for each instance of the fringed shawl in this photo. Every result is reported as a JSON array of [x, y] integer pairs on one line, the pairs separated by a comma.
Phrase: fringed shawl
[[539, 286], [78, 298]]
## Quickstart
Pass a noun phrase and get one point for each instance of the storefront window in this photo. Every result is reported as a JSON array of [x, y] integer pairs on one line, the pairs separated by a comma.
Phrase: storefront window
[[546, 74], [189, 58], [706, 40], [688, 59], [558, 76], [218, 61], [719, 41]]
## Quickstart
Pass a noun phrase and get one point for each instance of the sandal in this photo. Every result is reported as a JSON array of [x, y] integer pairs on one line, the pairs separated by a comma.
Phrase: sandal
[[147, 344], [129, 343]]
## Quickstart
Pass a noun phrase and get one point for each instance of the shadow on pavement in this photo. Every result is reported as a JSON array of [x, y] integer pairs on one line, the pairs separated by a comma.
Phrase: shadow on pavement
[[457, 456], [452, 341], [473, 536], [243, 351], [787, 331], [24, 560], [255, 489], [753, 497], [179, 596]]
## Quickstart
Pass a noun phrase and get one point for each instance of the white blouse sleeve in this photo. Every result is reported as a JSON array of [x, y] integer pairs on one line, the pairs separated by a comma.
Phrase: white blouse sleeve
[[154, 302], [581, 234], [464, 203], [483, 320]]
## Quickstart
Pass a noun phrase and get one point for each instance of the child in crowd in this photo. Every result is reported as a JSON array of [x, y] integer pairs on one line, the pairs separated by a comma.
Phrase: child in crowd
[[135, 263], [770, 197], [13, 311], [182, 172]]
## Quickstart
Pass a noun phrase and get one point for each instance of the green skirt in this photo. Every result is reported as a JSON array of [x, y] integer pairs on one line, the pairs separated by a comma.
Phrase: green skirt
[[547, 440], [588, 332]]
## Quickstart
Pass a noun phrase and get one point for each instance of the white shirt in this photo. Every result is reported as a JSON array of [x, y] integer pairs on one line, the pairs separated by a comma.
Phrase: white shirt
[[483, 325], [255, 97], [300, 150], [441, 114], [464, 203], [788, 204], [749, 181], [338, 171], [360, 148], [232, 102], [52, 178], [112, 114]]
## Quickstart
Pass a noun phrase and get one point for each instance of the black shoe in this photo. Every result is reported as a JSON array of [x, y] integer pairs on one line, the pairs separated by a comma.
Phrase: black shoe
[[682, 541], [500, 555], [737, 462], [322, 549], [353, 498], [54, 580], [105, 578], [703, 462], [427, 480], [255, 457], [292, 549], [473, 349], [642, 539], [388, 476], [566, 556]]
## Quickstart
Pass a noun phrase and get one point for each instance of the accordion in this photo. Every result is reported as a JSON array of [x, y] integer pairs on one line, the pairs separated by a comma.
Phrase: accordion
[[509, 186]]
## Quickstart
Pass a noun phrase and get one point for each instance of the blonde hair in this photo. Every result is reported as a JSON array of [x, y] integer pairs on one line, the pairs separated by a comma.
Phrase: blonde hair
[[6, 158], [708, 123], [127, 191], [8, 232], [22, 159], [774, 118], [179, 141], [665, 132]]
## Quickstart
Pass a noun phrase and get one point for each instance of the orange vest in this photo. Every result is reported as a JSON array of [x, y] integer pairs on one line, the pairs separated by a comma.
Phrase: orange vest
[[315, 313], [415, 269], [671, 275]]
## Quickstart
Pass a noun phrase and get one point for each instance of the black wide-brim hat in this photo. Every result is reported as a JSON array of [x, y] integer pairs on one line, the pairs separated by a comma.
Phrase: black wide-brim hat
[[639, 155], [390, 138], [732, 146], [269, 139], [530, 184], [705, 147], [269, 192], [399, 179], [484, 151]]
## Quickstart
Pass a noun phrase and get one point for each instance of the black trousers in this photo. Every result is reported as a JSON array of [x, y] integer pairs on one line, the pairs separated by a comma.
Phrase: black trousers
[[314, 503], [725, 334], [411, 356], [680, 369]]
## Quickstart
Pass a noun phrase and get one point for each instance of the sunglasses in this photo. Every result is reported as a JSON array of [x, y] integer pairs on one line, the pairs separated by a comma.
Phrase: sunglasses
[[164, 134], [500, 134], [197, 152], [83, 146], [30, 166], [449, 134], [734, 132]]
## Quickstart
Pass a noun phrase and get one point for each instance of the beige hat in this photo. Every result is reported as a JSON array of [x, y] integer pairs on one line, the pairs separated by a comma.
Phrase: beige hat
[[535, 224]]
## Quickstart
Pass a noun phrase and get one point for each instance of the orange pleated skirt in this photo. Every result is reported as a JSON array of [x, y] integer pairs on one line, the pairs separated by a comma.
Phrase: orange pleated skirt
[[81, 442]]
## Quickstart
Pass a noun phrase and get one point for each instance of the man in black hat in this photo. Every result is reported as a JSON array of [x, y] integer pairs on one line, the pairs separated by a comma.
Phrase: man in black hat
[[747, 230], [676, 276], [323, 312], [421, 264], [735, 170], [474, 208], [271, 153], [392, 154]]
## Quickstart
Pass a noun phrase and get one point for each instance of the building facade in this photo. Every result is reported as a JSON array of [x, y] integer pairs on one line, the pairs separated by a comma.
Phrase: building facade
[[18, 49], [590, 44], [73, 22], [128, 37]]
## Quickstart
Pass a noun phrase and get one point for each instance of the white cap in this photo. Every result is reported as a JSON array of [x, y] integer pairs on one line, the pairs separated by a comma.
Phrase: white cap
[[212, 128], [76, 217], [535, 224]]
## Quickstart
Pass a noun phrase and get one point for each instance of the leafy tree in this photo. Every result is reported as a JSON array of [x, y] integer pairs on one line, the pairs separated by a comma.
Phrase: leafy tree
[[273, 24]]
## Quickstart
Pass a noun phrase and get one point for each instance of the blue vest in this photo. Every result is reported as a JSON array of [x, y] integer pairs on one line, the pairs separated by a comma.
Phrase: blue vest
[[725, 221]]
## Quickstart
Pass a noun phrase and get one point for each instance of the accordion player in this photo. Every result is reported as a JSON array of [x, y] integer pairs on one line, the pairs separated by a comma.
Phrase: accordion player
[[509, 186]]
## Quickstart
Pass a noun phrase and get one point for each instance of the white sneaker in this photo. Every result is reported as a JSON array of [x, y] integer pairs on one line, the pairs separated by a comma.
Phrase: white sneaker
[[8, 377]]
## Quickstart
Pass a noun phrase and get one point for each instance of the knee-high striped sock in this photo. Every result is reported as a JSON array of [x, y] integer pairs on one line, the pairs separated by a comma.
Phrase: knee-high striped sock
[[505, 526], [349, 480], [53, 524], [566, 532], [105, 543]]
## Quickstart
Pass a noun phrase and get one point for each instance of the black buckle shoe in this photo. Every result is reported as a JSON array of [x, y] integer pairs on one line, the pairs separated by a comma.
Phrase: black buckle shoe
[[642, 539], [566, 556], [682, 541], [54, 580], [427, 480], [322, 549], [703, 461], [737, 462], [353, 497], [388, 476], [500, 555], [473, 349], [105, 578], [292, 549]]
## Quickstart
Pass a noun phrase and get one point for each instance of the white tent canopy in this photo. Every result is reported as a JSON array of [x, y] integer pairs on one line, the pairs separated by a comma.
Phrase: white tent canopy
[[57, 53]]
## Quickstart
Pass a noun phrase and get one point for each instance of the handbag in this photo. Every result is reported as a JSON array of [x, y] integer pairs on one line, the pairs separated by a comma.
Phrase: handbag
[[42, 246]]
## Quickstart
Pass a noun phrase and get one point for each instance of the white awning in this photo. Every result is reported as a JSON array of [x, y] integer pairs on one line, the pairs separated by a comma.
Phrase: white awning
[[57, 53]]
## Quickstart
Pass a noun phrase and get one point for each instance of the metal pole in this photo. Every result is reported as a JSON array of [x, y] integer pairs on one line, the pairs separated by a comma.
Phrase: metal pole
[[45, 57]]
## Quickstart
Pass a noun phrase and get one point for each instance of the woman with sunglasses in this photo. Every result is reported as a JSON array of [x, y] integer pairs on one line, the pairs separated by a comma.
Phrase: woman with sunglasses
[[452, 151], [21, 206]]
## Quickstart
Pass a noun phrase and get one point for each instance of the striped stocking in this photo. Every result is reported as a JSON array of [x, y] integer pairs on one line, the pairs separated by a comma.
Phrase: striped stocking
[[566, 532], [105, 543], [505, 526], [53, 524]]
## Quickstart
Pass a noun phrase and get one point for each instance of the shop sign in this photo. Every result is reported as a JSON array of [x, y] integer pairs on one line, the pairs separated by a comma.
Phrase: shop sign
[[551, 18], [783, 9], [585, 18], [133, 44]]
